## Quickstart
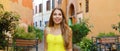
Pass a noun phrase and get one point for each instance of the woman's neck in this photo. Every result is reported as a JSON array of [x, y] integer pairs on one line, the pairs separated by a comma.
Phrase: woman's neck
[[57, 26]]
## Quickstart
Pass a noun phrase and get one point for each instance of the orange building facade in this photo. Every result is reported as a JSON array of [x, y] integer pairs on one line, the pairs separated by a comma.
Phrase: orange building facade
[[101, 14], [22, 7]]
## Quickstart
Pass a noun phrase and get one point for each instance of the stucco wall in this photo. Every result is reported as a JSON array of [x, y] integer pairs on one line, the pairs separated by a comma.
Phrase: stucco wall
[[24, 9], [102, 14]]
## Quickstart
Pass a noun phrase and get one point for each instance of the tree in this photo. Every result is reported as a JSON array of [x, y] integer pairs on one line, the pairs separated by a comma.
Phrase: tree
[[8, 22]]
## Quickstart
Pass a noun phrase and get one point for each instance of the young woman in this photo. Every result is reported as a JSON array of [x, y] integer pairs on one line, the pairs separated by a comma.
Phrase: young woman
[[57, 35]]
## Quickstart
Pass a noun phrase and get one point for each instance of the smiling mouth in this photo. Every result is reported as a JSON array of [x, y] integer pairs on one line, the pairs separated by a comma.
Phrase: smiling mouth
[[57, 20]]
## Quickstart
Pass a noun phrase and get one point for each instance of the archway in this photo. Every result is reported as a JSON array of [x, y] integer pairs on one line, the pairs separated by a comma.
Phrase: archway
[[71, 14]]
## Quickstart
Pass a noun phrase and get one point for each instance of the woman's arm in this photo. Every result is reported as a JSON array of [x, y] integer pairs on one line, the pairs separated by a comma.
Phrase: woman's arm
[[70, 42]]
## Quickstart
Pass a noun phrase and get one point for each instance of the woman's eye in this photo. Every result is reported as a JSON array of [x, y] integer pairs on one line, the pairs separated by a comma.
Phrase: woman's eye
[[54, 14], [60, 14]]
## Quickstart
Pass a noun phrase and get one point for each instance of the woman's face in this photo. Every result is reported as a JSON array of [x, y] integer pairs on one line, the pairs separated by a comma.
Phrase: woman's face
[[57, 16]]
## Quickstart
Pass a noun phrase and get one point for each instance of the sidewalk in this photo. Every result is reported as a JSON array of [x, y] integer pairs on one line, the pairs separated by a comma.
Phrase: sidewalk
[[40, 47]]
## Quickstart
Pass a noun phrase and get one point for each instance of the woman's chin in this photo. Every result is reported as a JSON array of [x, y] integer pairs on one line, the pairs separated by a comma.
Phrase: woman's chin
[[57, 22]]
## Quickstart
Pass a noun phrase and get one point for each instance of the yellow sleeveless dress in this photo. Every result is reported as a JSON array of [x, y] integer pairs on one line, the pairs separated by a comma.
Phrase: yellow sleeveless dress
[[55, 42]]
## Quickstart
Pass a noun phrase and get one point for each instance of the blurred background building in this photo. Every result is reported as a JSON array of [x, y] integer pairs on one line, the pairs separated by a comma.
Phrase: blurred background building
[[23, 8], [101, 13], [42, 10]]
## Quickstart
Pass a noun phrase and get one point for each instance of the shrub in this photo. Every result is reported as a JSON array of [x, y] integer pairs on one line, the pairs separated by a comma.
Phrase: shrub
[[85, 44], [8, 22], [106, 34], [32, 33], [79, 31]]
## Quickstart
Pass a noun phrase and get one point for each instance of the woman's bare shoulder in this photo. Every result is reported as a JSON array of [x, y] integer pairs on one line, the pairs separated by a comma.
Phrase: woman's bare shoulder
[[47, 29]]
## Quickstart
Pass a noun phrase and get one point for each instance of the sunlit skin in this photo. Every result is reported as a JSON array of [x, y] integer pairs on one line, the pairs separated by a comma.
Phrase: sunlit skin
[[57, 17]]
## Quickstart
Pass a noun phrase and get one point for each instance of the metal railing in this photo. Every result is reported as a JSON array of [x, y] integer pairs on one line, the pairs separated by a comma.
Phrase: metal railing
[[106, 43]]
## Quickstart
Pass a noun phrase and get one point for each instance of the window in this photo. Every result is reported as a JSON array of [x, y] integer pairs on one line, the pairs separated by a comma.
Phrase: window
[[35, 9], [59, 1], [40, 23], [36, 24], [53, 4], [40, 8], [87, 6], [48, 5], [46, 22], [80, 5]]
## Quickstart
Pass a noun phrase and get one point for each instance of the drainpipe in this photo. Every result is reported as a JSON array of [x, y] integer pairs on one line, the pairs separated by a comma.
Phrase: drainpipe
[[42, 13]]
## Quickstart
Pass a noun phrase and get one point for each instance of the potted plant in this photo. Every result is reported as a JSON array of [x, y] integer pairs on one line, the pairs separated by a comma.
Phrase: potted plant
[[79, 31], [110, 34], [116, 26], [8, 22], [107, 39], [22, 37]]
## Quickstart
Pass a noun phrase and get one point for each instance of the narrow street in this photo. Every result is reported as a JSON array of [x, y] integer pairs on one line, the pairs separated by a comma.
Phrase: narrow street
[[94, 25], [40, 47]]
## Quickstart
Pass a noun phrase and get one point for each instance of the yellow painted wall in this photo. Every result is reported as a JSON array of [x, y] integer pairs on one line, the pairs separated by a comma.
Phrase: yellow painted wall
[[5, 3], [102, 14]]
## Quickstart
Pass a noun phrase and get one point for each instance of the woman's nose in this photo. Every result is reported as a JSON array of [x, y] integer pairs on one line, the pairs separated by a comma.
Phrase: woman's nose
[[57, 15]]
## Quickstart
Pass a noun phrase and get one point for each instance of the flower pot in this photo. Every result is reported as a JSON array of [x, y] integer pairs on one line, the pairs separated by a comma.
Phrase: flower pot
[[25, 42], [21, 42]]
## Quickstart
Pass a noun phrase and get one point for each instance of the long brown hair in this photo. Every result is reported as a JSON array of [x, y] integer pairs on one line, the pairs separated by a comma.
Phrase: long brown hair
[[64, 26]]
